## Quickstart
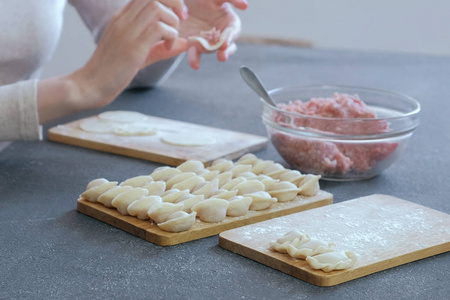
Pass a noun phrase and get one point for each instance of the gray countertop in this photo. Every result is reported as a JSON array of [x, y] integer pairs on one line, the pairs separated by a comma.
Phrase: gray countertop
[[49, 250]]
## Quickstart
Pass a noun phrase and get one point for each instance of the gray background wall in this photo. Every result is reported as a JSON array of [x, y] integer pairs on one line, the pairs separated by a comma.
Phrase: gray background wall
[[417, 26]]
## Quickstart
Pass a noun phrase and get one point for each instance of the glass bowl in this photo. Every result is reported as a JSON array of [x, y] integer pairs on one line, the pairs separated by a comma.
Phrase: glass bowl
[[341, 149]]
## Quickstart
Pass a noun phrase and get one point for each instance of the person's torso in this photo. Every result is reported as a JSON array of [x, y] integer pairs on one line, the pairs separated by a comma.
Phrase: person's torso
[[29, 34]]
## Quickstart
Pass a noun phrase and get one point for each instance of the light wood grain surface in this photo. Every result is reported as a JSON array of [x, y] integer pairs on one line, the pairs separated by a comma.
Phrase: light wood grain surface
[[383, 231], [229, 144]]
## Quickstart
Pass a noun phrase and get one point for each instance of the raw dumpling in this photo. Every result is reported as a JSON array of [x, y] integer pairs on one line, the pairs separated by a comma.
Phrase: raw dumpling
[[221, 165], [332, 261], [160, 212], [261, 200], [261, 165], [140, 207], [301, 250], [207, 188], [274, 170], [225, 194], [247, 159], [138, 181], [195, 166], [178, 221], [281, 244], [190, 200], [284, 191], [96, 182], [209, 175], [107, 197], [224, 178], [249, 186], [93, 193], [179, 178], [232, 183], [164, 173], [155, 188], [238, 169], [293, 176], [189, 183], [238, 206], [124, 199], [212, 210], [171, 196], [310, 185]]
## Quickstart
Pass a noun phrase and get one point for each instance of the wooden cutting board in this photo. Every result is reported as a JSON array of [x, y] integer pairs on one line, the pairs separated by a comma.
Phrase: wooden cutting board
[[383, 231], [151, 232], [229, 144]]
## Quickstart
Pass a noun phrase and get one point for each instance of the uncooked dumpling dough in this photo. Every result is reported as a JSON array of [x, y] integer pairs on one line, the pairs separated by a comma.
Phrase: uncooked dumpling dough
[[122, 116], [281, 244], [332, 260], [135, 129], [185, 139], [212, 210], [96, 125], [300, 249], [178, 221], [207, 42]]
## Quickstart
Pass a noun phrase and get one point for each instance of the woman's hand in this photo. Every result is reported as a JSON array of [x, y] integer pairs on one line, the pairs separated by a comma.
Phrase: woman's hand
[[206, 14], [143, 32]]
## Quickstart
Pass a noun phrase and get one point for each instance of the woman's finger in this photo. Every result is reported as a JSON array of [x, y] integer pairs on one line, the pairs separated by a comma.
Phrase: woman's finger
[[239, 4], [154, 12], [194, 57], [178, 7], [223, 55], [159, 52]]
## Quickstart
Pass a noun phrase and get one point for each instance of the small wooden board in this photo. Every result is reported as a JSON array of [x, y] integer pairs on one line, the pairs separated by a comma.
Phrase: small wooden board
[[151, 232], [230, 144], [383, 231]]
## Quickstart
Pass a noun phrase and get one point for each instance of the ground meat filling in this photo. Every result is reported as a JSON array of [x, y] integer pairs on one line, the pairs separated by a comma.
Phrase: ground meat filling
[[322, 157]]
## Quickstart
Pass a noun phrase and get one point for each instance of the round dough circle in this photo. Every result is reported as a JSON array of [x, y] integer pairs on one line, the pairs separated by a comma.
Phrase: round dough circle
[[122, 116], [183, 139], [132, 129], [98, 126]]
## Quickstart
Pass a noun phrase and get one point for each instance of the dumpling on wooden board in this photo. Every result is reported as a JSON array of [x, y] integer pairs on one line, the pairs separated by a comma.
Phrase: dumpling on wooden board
[[330, 261], [212, 210], [239, 206], [164, 173], [160, 212], [178, 221], [309, 186], [124, 199], [140, 207], [261, 200], [107, 197], [192, 165], [137, 181], [94, 192], [282, 243], [156, 188], [299, 249]]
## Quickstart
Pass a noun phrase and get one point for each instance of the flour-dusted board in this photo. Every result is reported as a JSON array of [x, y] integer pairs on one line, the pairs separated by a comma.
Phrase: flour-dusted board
[[383, 231], [229, 144], [151, 232]]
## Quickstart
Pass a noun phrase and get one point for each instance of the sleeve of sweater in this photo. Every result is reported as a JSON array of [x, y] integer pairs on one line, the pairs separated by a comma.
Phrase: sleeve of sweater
[[20, 101], [96, 15]]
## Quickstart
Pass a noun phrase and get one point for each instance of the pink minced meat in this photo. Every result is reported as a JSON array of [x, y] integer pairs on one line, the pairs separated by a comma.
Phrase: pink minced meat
[[212, 35], [321, 157]]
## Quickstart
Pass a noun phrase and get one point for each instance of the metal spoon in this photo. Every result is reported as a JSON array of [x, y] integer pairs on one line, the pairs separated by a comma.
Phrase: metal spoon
[[255, 84]]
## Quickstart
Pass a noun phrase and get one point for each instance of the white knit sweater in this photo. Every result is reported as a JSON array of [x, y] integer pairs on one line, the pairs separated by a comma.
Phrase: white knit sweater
[[29, 34]]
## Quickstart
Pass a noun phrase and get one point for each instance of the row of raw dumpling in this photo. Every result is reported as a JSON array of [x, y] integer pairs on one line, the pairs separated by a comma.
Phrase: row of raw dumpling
[[223, 180], [319, 254]]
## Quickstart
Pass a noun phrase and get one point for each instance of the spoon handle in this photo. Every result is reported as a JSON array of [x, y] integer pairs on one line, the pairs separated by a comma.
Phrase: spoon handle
[[255, 84]]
